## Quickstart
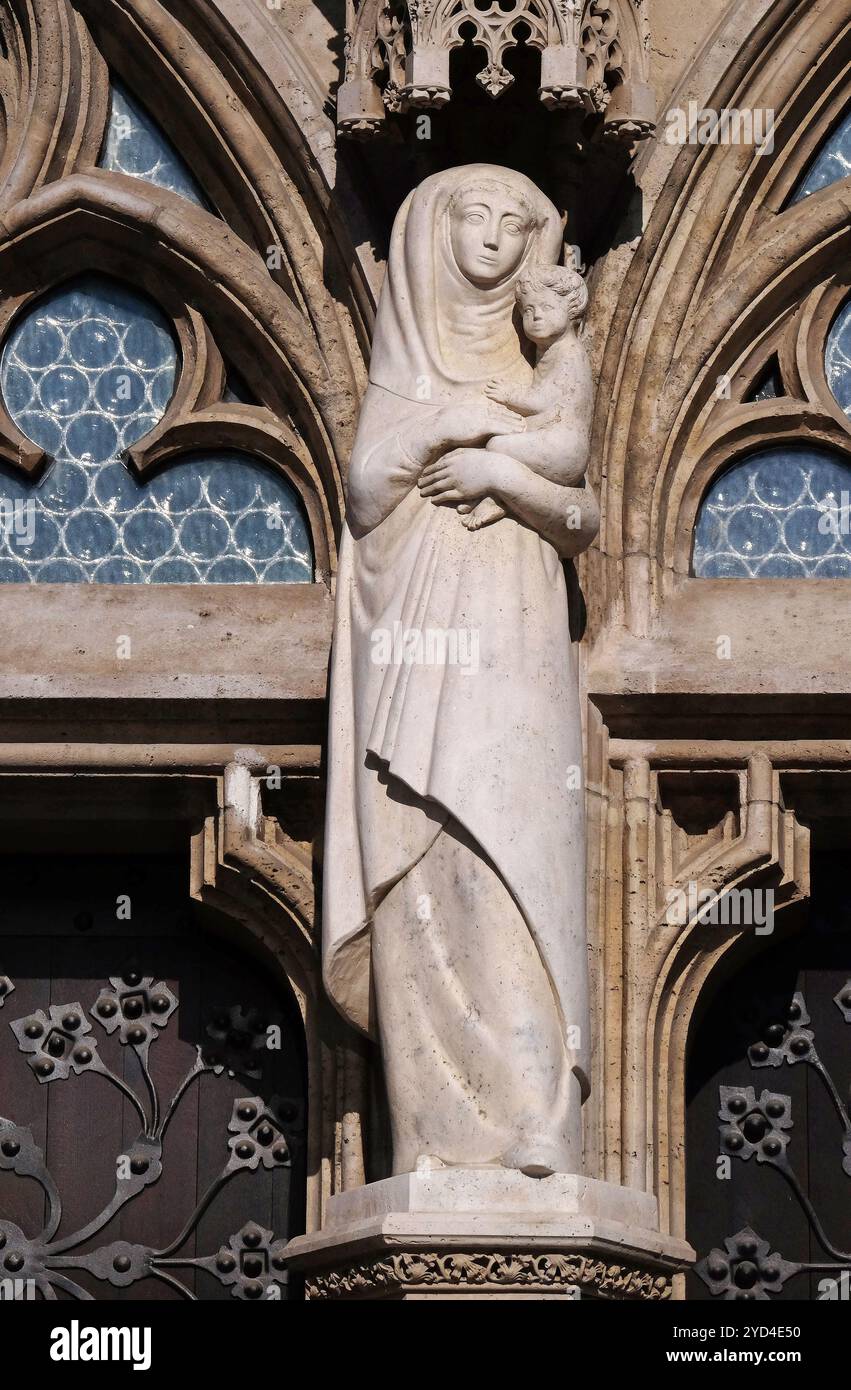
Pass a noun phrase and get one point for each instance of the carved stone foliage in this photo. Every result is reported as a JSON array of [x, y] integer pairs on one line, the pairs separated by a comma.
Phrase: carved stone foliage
[[485, 1273], [592, 57], [243, 277]]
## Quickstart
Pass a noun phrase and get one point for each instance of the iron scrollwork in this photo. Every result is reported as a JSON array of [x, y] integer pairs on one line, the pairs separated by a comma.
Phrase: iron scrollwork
[[61, 1043], [758, 1126]]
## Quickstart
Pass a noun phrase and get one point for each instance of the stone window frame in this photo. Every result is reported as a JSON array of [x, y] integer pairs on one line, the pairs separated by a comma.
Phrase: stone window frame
[[247, 283], [807, 413], [726, 274], [225, 680], [723, 264]]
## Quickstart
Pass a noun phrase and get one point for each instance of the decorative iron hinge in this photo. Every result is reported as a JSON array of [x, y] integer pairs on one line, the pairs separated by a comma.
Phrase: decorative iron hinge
[[60, 1043], [758, 1127]]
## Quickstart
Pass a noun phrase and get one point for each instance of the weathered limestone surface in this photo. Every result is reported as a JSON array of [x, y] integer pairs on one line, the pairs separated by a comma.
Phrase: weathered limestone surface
[[489, 1233], [183, 642], [454, 857]]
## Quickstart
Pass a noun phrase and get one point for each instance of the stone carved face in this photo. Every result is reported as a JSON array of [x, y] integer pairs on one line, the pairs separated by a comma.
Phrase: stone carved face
[[489, 230], [546, 315]]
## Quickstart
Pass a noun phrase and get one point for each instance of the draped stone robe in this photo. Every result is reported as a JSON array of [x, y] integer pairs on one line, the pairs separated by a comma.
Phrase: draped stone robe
[[454, 912]]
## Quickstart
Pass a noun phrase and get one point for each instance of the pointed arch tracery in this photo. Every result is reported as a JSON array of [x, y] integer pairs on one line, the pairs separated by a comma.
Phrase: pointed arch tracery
[[731, 277], [244, 277]]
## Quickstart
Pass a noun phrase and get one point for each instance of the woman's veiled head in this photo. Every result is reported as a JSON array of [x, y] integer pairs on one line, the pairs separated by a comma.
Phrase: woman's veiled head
[[445, 321], [489, 228]]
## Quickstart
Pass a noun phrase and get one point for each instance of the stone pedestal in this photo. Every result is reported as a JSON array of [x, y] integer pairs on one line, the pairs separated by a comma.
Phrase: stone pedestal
[[488, 1233]]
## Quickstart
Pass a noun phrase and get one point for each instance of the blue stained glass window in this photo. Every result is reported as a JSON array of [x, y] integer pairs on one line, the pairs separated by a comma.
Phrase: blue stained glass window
[[135, 145], [782, 513], [769, 385], [837, 358], [85, 373], [832, 162]]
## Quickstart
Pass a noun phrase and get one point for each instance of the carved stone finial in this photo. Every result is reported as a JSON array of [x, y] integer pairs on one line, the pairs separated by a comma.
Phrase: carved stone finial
[[593, 57]]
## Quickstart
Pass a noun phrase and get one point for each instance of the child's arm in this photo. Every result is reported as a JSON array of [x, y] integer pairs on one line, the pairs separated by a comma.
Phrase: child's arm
[[526, 400], [555, 442]]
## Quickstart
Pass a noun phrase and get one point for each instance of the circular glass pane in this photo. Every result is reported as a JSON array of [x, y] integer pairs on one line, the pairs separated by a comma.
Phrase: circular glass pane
[[778, 514], [86, 372], [837, 358]]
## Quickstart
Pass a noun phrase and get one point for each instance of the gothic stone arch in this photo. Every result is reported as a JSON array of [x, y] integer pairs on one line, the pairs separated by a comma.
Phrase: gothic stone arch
[[706, 697]]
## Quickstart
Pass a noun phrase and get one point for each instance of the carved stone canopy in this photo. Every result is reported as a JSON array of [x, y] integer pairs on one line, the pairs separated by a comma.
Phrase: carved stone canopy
[[593, 57]]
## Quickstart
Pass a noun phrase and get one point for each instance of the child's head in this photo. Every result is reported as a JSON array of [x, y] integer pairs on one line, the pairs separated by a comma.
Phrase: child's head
[[550, 297]]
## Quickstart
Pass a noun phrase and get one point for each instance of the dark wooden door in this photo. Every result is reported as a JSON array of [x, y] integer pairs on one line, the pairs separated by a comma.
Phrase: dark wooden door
[[151, 1091], [768, 1137]]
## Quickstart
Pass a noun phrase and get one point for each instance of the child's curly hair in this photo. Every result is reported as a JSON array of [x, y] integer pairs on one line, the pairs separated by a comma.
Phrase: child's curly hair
[[561, 278]]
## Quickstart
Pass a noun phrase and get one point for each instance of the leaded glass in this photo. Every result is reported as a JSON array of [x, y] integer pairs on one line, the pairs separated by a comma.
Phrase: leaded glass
[[85, 373], [837, 358], [769, 385], [833, 162], [88, 370], [135, 145], [779, 514]]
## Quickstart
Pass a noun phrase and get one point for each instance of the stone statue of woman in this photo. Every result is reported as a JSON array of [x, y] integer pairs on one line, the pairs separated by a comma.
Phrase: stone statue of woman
[[454, 900]]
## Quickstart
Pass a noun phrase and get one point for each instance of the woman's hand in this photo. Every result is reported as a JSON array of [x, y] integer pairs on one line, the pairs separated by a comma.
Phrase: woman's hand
[[464, 475]]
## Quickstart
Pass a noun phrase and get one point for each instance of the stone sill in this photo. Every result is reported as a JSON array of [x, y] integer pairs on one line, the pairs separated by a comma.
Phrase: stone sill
[[788, 674], [188, 643]]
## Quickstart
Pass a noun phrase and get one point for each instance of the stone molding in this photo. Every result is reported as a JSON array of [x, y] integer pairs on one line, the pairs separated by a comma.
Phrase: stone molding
[[727, 274], [294, 341], [593, 58], [727, 278], [702, 821], [492, 1232], [245, 865], [474, 1271]]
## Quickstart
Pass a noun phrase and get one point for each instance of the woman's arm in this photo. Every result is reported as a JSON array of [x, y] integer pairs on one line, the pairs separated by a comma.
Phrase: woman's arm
[[382, 473], [381, 476], [568, 517]]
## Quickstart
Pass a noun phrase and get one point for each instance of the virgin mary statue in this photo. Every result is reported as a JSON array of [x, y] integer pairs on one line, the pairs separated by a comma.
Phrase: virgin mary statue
[[454, 911]]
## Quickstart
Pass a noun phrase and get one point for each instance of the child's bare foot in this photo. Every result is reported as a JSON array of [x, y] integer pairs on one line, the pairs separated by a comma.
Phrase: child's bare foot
[[483, 514]]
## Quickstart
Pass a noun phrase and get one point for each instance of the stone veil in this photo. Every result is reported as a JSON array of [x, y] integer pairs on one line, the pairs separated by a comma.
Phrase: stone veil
[[454, 899]]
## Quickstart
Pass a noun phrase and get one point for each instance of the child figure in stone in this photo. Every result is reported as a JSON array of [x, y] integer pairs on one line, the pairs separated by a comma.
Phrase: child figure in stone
[[557, 403]]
